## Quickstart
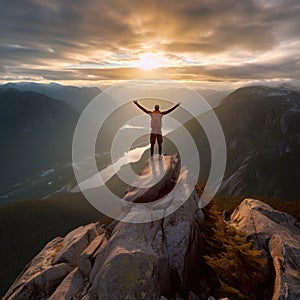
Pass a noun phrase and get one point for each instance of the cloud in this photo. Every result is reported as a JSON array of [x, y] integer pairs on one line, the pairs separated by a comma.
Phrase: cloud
[[245, 37], [2, 70], [218, 40]]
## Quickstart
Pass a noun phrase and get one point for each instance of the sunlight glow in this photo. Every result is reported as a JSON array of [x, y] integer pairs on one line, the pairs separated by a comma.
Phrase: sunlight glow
[[149, 61]]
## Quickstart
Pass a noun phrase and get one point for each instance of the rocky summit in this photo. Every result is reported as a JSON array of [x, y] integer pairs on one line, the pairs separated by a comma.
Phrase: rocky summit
[[156, 259], [129, 260]]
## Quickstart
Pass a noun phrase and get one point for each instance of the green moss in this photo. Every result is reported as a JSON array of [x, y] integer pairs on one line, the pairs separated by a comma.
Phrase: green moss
[[148, 274], [142, 281], [134, 273]]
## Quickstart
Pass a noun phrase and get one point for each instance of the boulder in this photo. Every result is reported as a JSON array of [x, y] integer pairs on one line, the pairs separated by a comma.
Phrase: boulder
[[278, 234], [71, 287], [54, 267], [75, 242]]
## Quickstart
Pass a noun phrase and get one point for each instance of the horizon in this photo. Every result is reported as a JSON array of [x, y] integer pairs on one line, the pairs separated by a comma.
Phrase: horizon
[[203, 45], [197, 87]]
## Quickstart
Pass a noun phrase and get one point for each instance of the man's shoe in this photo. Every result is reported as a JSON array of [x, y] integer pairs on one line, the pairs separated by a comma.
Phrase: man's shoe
[[151, 157], [160, 157]]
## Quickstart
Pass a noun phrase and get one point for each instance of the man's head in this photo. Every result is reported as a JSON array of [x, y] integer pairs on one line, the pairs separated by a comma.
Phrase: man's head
[[156, 107]]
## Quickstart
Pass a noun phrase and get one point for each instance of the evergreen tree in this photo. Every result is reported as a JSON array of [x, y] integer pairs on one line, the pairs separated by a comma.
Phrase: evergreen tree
[[236, 269]]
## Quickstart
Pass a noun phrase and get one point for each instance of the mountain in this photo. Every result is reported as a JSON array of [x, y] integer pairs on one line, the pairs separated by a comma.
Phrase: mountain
[[262, 131], [261, 126], [214, 97], [36, 133], [77, 97]]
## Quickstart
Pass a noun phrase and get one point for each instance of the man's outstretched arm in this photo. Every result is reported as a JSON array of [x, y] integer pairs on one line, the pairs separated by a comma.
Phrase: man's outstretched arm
[[171, 109], [141, 107]]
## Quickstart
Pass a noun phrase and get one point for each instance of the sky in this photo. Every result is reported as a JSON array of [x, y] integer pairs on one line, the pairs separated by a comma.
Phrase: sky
[[198, 42]]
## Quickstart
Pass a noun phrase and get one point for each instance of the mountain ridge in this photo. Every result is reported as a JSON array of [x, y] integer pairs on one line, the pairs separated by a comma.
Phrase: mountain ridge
[[262, 134], [77, 97], [263, 141]]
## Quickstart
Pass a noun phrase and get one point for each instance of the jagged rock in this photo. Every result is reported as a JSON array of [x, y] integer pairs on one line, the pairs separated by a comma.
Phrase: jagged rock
[[279, 234], [87, 257], [53, 266], [135, 260], [41, 284], [40, 276], [146, 259], [75, 242], [70, 287], [155, 180]]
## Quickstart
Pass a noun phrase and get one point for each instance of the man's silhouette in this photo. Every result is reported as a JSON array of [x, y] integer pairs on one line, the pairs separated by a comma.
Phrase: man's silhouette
[[156, 124]]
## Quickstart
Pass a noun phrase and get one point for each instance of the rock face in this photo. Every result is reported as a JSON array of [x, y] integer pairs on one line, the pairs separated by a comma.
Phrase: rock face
[[131, 260], [279, 234], [261, 125], [262, 129], [56, 264]]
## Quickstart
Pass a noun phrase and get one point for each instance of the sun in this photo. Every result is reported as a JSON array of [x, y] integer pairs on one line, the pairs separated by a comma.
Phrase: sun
[[149, 61]]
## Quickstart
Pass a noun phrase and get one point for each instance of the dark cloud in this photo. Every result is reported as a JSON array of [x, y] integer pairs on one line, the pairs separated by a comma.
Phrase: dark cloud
[[2, 69], [66, 27], [281, 69], [49, 34], [248, 37]]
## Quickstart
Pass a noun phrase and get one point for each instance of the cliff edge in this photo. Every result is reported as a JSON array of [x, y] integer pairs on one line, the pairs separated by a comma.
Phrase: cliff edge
[[129, 261]]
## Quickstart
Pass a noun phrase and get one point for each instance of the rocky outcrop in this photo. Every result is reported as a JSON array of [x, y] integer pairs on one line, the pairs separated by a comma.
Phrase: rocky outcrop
[[56, 264], [149, 260], [279, 235]]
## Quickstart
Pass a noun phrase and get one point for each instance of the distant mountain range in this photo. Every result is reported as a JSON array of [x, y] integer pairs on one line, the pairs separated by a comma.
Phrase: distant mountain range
[[261, 127], [77, 97]]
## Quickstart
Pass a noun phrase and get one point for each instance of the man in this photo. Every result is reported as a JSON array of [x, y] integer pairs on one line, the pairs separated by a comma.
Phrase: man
[[156, 124]]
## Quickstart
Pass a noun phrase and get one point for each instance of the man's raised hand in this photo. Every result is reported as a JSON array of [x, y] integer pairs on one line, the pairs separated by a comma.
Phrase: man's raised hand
[[135, 101]]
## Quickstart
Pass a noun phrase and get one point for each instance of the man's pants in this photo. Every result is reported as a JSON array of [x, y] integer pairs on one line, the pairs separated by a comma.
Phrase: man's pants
[[153, 138]]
